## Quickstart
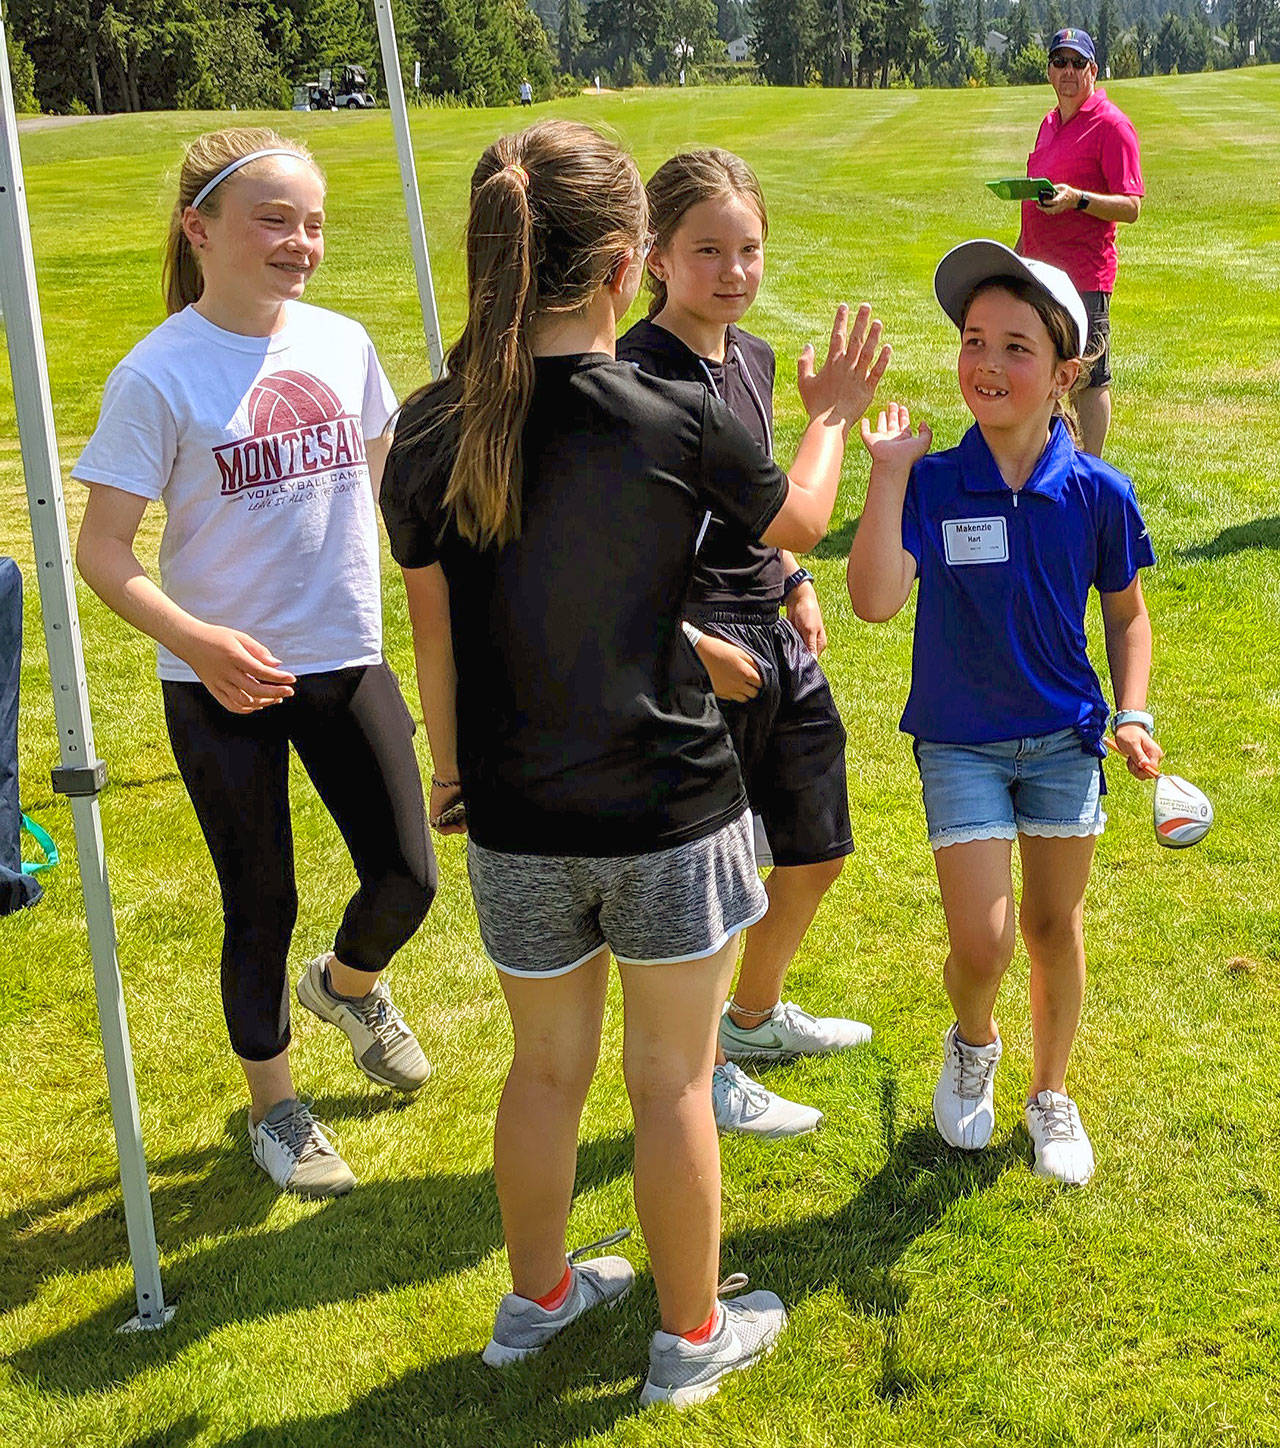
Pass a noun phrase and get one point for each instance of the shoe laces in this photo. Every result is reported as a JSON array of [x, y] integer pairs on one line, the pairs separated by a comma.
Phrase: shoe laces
[[975, 1071], [620, 1235], [1059, 1115], [734, 1282], [797, 1018], [301, 1135], [737, 1082], [380, 1014]]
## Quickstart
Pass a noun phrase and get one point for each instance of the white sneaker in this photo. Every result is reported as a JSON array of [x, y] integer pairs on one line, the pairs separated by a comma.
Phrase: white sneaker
[[290, 1145], [743, 1105], [964, 1107], [1063, 1152], [789, 1032]]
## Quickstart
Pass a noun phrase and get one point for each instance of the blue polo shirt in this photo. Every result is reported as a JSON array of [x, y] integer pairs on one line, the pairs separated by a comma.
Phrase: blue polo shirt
[[999, 650]]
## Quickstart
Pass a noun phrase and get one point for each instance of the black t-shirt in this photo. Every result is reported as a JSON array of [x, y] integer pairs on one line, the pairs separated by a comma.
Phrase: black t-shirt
[[585, 726], [732, 566]]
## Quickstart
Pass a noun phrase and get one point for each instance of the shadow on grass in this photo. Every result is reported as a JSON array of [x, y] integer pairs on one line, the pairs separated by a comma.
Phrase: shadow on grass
[[384, 1235], [838, 542], [408, 1231], [566, 1396], [1260, 533], [857, 1248]]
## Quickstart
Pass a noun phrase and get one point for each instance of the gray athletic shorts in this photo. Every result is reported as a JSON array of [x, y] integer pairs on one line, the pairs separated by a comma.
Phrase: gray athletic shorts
[[547, 914]]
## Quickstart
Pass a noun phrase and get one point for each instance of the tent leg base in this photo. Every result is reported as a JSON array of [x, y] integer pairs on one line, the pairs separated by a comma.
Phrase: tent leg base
[[152, 1323]]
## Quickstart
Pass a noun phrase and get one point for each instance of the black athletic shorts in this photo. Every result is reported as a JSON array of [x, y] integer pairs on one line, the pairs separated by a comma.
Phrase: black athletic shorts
[[1098, 306], [789, 738]]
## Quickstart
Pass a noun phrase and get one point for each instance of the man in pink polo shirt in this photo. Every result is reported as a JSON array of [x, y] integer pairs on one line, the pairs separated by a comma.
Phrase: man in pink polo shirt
[[1088, 148]]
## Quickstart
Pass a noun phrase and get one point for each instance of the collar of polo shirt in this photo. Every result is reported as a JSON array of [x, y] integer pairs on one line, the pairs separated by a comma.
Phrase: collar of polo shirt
[[979, 473]]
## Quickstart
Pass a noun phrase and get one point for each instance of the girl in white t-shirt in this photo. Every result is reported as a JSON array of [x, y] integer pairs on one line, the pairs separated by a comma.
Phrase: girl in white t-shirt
[[258, 421]]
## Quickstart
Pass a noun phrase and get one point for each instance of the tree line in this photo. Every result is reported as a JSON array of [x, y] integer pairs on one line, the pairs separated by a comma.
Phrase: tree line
[[131, 55]]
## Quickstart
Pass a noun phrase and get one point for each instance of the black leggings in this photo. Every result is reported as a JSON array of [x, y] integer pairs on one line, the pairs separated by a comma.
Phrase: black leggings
[[354, 737]]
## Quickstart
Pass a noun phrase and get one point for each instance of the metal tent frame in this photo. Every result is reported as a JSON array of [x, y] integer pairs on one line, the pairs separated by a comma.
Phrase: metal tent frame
[[81, 775]]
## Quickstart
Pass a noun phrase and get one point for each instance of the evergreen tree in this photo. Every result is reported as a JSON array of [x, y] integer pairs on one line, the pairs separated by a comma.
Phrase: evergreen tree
[[22, 73], [785, 35], [1104, 34], [979, 24], [571, 33], [950, 28]]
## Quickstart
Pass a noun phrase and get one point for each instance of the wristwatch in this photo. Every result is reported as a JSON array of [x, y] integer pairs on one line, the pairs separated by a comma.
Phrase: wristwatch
[[1083, 203], [794, 580], [1134, 716]]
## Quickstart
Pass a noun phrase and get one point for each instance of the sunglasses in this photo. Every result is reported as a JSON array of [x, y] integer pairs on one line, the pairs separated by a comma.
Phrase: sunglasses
[[1076, 62]]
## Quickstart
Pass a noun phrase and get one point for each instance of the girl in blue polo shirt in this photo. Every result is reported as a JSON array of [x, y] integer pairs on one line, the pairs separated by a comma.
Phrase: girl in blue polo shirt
[[1007, 533]]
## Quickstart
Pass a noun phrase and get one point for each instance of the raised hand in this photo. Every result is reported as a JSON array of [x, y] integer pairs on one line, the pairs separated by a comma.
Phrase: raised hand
[[847, 380], [241, 674], [891, 442]]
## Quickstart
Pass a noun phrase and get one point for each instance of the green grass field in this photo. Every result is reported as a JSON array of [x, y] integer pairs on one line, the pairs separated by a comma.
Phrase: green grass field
[[935, 1300]]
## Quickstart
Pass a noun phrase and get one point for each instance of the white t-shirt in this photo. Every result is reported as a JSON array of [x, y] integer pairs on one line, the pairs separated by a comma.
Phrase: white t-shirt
[[257, 447]]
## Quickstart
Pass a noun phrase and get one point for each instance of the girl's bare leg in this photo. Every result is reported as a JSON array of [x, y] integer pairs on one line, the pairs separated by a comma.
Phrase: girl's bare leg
[[976, 880], [535, 1138], [671, 1016], [1054, 875], [795, 892]]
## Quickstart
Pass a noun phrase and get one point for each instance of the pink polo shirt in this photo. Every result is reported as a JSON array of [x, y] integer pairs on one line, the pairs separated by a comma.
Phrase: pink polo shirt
[[1096, 150]]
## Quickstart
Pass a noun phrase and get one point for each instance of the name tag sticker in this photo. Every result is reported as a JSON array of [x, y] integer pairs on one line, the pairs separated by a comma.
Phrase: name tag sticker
[[975, 540]]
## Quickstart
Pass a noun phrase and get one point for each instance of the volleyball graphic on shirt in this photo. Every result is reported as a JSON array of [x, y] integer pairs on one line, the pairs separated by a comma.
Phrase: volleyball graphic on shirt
[[299, 432], [291, 399]]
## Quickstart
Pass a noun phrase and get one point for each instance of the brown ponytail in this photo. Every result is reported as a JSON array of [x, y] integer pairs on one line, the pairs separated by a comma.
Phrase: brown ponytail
[[205, 157], [554, 209], [687, 180], [1062, 333]]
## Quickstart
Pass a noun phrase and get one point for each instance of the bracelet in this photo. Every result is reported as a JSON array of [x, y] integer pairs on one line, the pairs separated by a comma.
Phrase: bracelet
[[694, 635], [756, 1015], [445, 783], [1139, 717], [1083, 203]]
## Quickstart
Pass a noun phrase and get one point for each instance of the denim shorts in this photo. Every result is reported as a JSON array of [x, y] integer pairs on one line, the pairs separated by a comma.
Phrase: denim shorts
[[1044, 785], [548, 914]]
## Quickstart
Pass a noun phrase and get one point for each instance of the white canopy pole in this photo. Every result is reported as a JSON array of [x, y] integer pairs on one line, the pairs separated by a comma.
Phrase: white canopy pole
[[409, 182], [81, 775]]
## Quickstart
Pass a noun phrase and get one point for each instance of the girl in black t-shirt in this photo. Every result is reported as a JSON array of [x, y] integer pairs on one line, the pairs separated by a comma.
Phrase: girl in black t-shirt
[[708, 215], [543, 500]]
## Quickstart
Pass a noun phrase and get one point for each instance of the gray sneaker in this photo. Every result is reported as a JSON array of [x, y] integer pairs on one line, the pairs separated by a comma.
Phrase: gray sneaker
[[744, 1106], [382, 1045], [290, 1145], [683, 1372], [522, 1328]]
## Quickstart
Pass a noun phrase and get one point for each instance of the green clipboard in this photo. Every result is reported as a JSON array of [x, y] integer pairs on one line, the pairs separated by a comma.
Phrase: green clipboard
[[1022, 188]]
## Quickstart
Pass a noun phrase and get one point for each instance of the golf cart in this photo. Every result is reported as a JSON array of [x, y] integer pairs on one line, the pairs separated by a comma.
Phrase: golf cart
[[353, 89], [350, 93]]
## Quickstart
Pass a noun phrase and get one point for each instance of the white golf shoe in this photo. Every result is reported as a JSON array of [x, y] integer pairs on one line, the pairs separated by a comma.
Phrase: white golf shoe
[[964, 1106], [743, 1106], [1063, 1151], [788, 1032]]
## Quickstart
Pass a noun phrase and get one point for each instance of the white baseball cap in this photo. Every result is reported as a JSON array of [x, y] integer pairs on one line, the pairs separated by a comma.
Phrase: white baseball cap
[[973, 262]]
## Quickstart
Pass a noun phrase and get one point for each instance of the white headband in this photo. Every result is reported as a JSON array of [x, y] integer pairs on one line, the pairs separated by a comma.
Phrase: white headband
[[236, 165]]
